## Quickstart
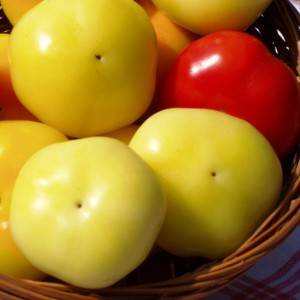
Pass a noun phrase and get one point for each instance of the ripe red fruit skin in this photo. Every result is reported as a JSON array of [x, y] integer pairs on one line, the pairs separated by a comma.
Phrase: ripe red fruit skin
[[234, 72]]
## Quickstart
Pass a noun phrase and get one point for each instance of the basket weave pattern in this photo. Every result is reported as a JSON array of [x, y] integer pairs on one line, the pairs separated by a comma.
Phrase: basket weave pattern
[[210, 277]]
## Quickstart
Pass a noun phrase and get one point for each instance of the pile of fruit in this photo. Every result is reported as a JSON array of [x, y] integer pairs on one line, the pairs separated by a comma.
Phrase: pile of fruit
[[128, 125]]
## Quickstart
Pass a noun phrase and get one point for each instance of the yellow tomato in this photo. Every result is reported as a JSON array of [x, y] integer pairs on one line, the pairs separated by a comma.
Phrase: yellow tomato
[[171, 38], [203, 16], [10, 106], [90, 69], [124, 134], [15, 9], [93, 211], [220, 176], [19, 140]]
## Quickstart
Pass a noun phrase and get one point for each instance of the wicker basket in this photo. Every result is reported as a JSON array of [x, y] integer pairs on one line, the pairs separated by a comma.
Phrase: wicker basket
[[167, 277]]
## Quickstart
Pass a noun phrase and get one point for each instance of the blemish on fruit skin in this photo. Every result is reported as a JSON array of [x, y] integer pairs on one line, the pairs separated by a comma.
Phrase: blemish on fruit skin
[[98, 57], [213, 174], [78, 205]]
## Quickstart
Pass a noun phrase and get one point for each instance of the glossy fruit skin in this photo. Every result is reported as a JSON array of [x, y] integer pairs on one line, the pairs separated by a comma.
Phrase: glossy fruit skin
[[10, 107], [171, 38], [15, 9], [220, 176], [18, 141], [234, 72], [203, 17], [97, 200], [87, 75]]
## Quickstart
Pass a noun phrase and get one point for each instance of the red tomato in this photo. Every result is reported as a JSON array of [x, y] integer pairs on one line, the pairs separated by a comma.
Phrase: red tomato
[[234, 72]]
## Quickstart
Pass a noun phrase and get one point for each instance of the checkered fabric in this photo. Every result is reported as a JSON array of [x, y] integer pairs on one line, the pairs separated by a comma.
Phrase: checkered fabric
[[276, 276], [296, 3]]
